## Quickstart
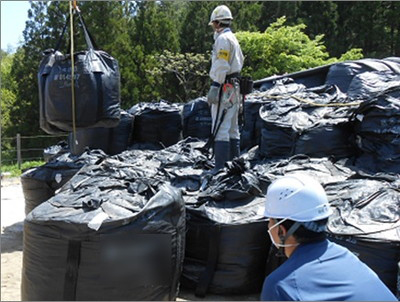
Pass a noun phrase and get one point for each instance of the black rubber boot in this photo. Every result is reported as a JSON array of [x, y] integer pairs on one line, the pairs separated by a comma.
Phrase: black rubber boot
[[222, 153], [235, 148]]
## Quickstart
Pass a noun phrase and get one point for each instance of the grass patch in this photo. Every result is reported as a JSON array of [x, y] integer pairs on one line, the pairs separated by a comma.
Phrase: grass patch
[[15, 172]]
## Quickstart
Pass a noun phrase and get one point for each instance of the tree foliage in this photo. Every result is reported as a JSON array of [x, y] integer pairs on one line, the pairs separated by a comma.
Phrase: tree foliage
[[284, 49]]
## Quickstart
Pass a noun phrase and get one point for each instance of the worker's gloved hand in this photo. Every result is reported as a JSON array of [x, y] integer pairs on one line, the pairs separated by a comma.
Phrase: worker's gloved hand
[[213, 93]]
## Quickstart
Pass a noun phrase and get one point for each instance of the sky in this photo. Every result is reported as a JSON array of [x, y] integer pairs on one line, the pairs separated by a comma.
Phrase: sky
[[13, 16]]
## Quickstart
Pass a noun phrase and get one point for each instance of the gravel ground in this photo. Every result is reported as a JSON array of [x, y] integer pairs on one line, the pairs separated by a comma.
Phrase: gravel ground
[[12, 217]]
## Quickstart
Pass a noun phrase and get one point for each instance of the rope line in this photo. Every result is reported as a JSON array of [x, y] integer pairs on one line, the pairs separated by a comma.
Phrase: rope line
[[72, 72], [307, 101]]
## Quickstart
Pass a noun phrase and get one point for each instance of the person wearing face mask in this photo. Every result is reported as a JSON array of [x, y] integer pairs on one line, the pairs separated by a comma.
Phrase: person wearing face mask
[[224, 94], [316, 269]]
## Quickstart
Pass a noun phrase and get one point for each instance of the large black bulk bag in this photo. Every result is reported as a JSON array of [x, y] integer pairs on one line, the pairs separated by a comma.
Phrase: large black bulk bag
[[196, 119], [370, 84], [121, 136], [226, 241], [157, 123], [250, 133], [110, 140], [97, 89], [100, 240], [341, 74], [41, 183], [382, 257], [307, 123], [91, 138], [366, 219], [226, 248], [377, 130]]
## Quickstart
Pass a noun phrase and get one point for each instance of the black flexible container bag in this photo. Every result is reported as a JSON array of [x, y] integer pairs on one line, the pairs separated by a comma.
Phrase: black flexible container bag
[[41, 183], [250, 133], [366, 220], [157, 123], [292, 126], [226, 241], [110, 140], [377, 130], [341, 74], [91, 138], [98, 239], [97, 89], [196, 119], [121, 136]]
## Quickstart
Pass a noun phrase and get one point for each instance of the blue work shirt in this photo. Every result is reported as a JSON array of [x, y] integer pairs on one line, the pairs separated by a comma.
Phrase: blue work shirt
[[324, 271]]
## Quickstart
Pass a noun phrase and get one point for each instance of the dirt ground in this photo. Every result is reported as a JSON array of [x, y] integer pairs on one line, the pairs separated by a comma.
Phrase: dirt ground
[[12, 217]]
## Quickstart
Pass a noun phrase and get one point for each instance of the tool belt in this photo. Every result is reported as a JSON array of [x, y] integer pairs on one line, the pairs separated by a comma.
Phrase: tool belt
[[246, 83], [232, 76]]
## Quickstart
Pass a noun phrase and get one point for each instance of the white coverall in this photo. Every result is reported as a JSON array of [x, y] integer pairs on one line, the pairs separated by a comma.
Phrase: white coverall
[[227, 58]]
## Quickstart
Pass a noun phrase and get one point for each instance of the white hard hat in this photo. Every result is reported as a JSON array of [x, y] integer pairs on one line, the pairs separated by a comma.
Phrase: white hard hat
[[297, 197], [221, 12]]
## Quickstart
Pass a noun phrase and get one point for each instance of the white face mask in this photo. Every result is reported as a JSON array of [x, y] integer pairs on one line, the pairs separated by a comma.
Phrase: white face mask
[[278, 245]]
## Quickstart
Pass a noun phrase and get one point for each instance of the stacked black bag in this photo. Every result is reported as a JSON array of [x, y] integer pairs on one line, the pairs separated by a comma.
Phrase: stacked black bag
[[96, 84], [298, 125], [196, 118], [109, 234], [111, 140], [366, 220], [377, 128], [226, 241], [41, 183], [157, 123]]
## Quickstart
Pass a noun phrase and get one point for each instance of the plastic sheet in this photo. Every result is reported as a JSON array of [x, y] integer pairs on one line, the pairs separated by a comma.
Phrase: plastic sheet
[[366, 209], [53, 151]]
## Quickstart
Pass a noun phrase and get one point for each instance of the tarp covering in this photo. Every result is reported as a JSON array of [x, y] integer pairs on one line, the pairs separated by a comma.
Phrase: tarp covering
[[322, 169], [41, 183], [157, 123], [109, 234]]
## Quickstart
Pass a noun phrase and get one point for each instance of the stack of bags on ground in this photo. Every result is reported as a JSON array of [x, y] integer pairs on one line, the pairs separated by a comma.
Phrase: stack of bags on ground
[[290, 126]]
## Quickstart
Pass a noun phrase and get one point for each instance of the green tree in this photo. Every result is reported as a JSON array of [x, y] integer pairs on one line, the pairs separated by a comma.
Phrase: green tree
[[181, 77], [320, 17], [283, 49]]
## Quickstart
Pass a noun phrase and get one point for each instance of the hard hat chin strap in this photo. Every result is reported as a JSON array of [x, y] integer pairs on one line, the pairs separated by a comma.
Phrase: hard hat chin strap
[[281, 246]]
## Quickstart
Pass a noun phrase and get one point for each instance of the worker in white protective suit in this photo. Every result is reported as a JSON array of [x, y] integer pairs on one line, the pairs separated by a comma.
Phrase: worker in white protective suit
[[224, 94]]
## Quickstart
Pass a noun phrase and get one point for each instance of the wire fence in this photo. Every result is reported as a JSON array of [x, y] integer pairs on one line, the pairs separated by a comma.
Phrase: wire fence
[[21, 148]]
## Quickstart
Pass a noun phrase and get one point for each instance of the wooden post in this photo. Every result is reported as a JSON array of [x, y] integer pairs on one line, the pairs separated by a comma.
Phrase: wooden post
[[19, 158]]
